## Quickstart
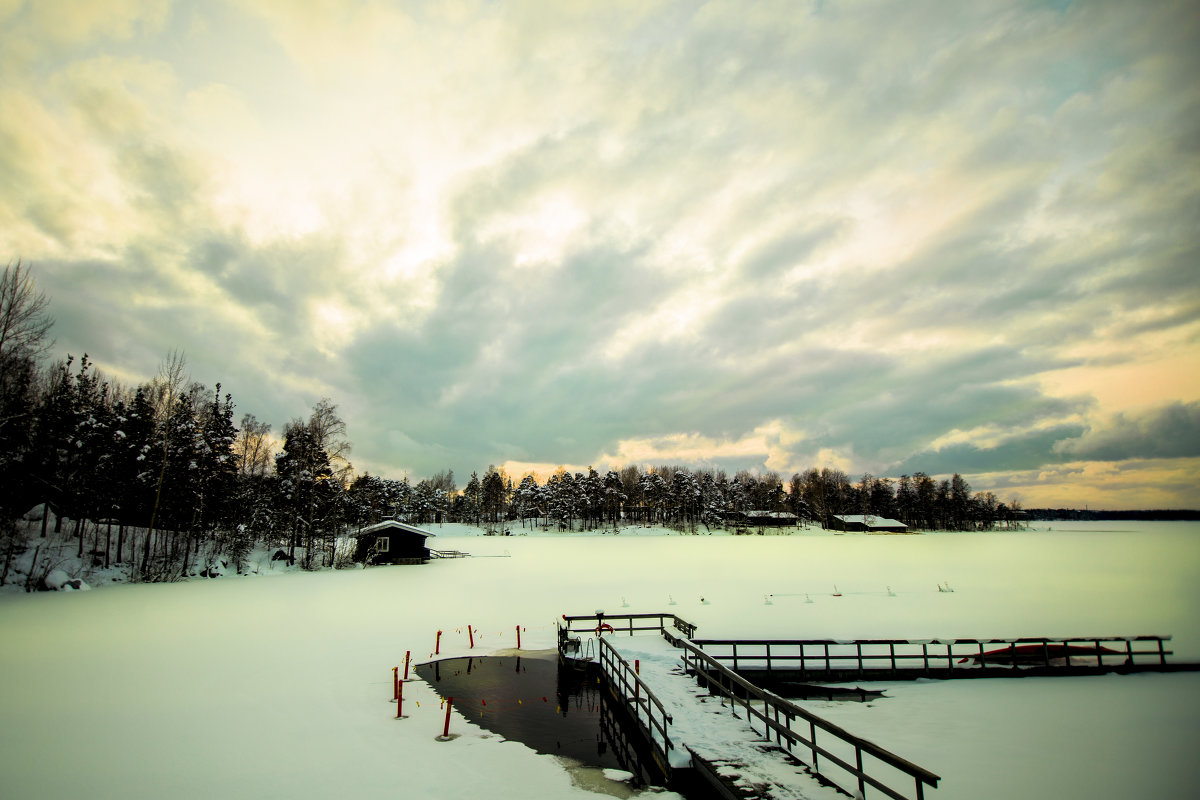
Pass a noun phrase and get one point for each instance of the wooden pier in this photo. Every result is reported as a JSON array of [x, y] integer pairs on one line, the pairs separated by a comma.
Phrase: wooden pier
[[839, 661], [741, 672], [775, 717]]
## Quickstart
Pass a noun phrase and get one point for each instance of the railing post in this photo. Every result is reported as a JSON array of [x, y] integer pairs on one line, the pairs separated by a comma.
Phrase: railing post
[[1162, 656], [862, 786]]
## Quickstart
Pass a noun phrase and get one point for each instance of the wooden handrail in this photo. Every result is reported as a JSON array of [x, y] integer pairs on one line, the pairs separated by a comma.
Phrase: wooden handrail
[[623, 677], [770, 700], [936, 654]]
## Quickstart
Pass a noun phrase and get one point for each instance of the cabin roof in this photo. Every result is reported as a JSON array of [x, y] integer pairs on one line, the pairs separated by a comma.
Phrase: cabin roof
[[392, 524], [869, 520]]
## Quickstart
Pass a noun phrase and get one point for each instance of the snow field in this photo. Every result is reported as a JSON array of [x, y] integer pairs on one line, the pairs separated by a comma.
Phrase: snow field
[[282, 688]]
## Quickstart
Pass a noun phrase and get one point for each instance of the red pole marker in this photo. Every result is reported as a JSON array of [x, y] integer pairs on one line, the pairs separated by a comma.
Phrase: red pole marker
[[399, 700], [407, 656], [446, 727], [437, 646], [471, 637], [518, 637], [395, 682]]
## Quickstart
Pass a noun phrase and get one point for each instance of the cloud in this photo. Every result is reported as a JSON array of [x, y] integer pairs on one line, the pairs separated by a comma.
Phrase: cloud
[[1171, 431], [501, 232]]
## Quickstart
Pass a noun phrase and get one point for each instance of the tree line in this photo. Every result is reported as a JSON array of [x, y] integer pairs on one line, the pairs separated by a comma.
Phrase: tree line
[[680, 497], [159, 477]]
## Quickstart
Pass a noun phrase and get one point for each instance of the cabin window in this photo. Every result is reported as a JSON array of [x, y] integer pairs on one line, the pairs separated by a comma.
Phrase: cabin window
[[381, 544]]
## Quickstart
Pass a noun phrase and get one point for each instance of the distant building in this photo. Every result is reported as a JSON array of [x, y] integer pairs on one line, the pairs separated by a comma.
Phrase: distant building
[[866, 523], [771, 519], [391, 542]]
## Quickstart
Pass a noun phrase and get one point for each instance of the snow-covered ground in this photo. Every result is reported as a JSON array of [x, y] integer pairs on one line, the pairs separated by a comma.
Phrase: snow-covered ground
[[240, 687]]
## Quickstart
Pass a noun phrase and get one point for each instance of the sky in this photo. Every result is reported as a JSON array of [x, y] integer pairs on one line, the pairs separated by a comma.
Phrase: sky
[[882, 237]]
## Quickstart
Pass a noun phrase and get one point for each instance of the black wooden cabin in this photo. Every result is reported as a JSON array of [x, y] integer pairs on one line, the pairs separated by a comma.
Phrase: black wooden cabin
[[391, 542]]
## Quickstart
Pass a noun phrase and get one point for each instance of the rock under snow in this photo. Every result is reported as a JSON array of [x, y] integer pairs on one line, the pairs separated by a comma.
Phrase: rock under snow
[[58, 580]]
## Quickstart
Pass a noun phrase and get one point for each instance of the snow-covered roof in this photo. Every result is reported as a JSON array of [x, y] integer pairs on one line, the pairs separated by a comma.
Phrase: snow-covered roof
[[870, 520], [392, 524]]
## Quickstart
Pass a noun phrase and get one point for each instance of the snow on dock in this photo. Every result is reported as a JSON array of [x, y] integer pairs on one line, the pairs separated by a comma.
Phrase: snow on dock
[[729, 734], [714, 730]]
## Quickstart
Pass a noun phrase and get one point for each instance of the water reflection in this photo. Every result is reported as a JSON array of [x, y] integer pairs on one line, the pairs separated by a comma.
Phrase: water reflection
[[556, 711]]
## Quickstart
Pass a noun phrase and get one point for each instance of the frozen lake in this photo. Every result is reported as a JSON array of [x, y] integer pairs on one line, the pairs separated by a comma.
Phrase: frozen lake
[[281, 686]]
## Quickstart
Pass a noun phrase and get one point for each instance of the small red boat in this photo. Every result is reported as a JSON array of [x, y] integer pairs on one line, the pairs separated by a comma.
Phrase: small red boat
[[1052, 653]]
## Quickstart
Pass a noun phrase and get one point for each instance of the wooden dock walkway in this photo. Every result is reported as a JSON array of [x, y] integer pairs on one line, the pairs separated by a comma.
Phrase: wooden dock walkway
[[740, 744], [770, 661], [703, 706]]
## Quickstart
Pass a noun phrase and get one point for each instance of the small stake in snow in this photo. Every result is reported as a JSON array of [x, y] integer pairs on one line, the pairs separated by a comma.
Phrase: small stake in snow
[[518, 637], [446, 727], [395, 684], [437, 646], [471, 636], [399, 701], [407, 656]]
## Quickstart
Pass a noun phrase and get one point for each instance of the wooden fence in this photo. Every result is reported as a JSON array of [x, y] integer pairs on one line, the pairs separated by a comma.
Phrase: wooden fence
[[626, 623], [882, 659], [632, 692], [872, 765]]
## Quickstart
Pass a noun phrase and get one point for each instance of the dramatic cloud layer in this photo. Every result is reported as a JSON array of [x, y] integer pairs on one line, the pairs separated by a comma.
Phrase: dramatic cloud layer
[[882, 236]]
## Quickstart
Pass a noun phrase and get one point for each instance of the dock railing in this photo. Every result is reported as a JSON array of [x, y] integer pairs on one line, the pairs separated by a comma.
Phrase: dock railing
[[881, 658], [642, 704], [626, 623], [816, 736]]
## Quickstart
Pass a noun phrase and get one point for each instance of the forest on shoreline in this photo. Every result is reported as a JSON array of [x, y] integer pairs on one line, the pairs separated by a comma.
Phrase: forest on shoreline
[[154, 474]]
